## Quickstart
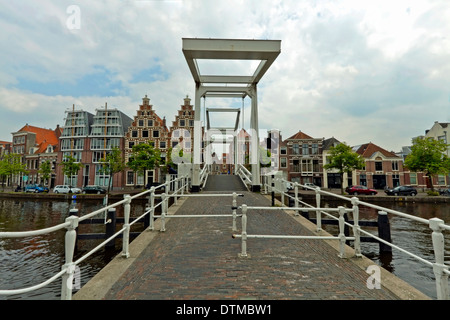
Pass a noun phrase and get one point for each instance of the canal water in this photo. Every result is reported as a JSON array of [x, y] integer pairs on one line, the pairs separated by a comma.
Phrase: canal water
[[29, 261]]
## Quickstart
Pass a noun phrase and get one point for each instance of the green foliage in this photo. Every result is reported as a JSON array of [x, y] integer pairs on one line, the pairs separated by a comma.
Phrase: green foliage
[[11, 164], [45, 170], [144, 157], [112, 164], [427, 155], [70, 166], [345, 160]]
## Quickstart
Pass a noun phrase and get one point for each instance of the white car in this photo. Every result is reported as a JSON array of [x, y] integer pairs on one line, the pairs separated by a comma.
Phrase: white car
[[66, 189]]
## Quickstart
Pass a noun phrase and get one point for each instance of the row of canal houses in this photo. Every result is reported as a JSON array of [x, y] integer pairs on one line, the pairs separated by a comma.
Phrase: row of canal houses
[[88, 137]]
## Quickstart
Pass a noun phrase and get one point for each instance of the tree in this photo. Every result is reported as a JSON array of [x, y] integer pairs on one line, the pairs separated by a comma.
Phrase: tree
[[345, 160], [11, 165], [112, 164], [70, 167], [427, 156], [144, 157], [45, 170]]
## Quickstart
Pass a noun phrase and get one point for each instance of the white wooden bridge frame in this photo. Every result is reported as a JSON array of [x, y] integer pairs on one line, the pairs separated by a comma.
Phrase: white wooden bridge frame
[[266, 51]]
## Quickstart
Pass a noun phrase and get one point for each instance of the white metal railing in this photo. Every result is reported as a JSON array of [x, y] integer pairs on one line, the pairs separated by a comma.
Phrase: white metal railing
[[244, 174], [204, 175], [164, 209], [244, 236], [71, 223], [440, 269]]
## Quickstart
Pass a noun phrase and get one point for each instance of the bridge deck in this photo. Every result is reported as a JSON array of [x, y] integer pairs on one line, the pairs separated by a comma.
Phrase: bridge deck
[[198, 259]]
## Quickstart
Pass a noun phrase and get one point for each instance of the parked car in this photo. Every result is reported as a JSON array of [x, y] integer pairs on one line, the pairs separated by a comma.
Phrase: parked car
[[66, 189], [93, 189], [401, 191], [444, 192], [310, 185], [36, 188], [355, 190]]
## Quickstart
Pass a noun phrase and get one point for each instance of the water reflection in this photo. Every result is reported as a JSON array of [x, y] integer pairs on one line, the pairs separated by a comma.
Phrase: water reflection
[[31, 260], [407, 234]]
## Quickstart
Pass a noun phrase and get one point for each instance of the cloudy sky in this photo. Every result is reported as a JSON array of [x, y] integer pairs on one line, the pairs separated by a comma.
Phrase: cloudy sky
[[357, 70]]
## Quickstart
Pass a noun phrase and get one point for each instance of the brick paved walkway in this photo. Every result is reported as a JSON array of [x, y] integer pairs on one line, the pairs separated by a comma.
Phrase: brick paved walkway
[[198, 259]]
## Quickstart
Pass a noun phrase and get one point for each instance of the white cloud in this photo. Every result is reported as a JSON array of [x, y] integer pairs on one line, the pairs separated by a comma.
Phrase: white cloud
[[350, 69]]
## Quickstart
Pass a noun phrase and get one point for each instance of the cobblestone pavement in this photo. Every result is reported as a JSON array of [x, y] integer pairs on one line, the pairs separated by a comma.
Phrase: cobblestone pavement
[[197, 258]]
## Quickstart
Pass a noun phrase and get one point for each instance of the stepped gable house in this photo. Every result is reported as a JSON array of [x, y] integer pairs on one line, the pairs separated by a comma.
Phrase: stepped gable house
[[182, 130], [146, 127]]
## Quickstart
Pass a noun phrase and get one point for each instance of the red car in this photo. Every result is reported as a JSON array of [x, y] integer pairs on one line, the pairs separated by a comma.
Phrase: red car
[[355, 190]]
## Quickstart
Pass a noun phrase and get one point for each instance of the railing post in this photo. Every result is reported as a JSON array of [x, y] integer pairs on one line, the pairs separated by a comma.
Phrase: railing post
[[296, 197], [234, 206], [384, 231], [273, 190], [280, 182], [318, 215], [69, 266], [152, 208], [341, 232], [244, 232], [110, 227], [356, 228], [439, 266], [163, 212], [126, 225]]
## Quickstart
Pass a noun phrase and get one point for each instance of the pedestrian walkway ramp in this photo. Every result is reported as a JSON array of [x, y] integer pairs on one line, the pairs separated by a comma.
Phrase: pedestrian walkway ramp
[[224, 182], [198, 259]]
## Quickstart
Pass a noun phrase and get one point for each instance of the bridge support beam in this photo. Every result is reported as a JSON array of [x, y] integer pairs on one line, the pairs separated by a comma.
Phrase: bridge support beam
[[266, 51]]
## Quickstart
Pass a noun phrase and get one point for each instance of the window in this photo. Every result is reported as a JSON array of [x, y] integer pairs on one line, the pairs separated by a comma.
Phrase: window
[[378, 166], [162, 144], [150, 123], [283, 150], [182, 122], [307, 165], [363, 179], [141, 123], [295, 149], [134, 134], [130, 177], [130, 144], [155, 134], [283, 162], [315, 148], [144, 133], [191, 123], [394, 165], [305, 148], [316, 166], [413, 178]]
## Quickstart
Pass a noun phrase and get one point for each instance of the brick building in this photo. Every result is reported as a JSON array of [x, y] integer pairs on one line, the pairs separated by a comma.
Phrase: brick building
[[35, 145], [301, 159], [383, 168], [146, 127]]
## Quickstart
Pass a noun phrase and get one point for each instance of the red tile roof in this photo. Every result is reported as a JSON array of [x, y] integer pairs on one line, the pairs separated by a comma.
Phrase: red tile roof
[[299, 135], [368, 149], [44, 137]]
